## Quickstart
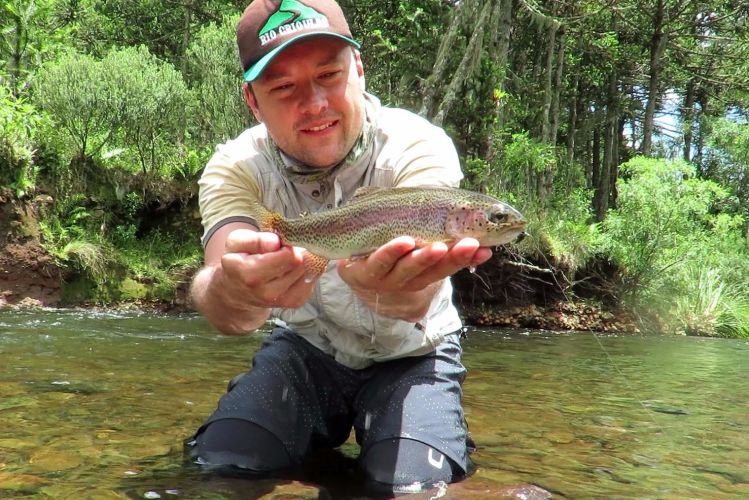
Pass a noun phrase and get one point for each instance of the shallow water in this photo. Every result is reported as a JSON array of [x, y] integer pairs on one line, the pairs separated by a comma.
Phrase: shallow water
[[98, 406]]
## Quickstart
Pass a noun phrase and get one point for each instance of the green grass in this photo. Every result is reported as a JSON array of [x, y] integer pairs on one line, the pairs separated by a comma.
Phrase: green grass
[[711, 307]]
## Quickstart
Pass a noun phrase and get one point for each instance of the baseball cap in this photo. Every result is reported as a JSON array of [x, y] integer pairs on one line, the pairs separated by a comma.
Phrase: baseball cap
[[269, 26]]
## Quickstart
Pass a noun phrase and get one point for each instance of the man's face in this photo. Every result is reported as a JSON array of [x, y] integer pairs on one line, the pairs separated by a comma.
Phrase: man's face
[[310, 99]]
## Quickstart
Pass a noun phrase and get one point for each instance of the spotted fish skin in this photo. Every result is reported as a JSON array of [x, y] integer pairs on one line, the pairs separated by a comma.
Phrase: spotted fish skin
[[375, 216]]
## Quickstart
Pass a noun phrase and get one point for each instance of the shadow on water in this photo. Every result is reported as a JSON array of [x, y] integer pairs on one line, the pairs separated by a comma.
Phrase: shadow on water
[[99, 405]]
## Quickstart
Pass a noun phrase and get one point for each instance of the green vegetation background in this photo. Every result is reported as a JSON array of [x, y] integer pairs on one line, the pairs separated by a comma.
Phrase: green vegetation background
[[110, 109]]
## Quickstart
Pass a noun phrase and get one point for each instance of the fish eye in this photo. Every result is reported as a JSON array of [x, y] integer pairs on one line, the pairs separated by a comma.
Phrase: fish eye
[[498, 217]]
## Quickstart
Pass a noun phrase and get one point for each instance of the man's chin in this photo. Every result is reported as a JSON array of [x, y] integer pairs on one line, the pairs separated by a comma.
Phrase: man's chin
[[324, 161]]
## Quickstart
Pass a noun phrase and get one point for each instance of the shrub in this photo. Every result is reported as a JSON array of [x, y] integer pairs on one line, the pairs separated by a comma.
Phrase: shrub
[[710, 306], [668, 219]]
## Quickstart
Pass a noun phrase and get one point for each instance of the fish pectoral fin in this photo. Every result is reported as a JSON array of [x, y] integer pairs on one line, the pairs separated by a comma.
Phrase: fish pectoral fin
[[314, 266]]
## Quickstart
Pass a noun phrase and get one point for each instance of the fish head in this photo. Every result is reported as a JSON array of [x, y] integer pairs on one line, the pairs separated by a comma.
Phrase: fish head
[[491, 222]]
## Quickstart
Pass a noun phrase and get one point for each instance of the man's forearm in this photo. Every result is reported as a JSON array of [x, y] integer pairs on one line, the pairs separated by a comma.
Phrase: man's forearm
[[229, 314]]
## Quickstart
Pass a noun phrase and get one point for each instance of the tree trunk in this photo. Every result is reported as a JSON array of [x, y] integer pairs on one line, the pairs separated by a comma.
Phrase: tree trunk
[[186, 36], [465, 68], [502, 26], [551, 37], [594, 171], [702, 132], [434, 82], [575, 110], [544, 180], [557, 89], [688, 119], [603, 188], [657, 48], [617, 160], [18, 50]]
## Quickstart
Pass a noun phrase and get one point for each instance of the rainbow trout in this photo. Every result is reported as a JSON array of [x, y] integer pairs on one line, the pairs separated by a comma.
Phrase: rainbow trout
[[376, 215]]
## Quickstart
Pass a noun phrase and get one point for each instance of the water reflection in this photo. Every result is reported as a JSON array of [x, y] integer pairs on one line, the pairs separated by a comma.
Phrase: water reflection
[[98, 405]]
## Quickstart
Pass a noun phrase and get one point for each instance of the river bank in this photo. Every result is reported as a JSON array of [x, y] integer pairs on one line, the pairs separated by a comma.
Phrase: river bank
[[502, 293], [30, 278]]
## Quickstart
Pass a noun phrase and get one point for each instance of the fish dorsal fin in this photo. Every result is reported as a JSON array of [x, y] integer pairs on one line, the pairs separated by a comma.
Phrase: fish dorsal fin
[[365, 191]]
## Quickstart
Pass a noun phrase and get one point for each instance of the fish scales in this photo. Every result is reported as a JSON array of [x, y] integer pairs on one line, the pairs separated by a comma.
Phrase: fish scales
[[375, 216], [359, 229], [363, 226]]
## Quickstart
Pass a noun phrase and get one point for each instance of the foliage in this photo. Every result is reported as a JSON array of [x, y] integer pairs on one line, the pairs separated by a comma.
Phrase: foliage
[[215, 76], [147, 98], [128, 97], [710, 306], [398, 44], [21, 40], [165, 28], [77, 235], [563, 231], [89, 258], [522, 158], [668, 219], [19, 122], [73, 89], [68, 235], [157, 257], [728, 159]]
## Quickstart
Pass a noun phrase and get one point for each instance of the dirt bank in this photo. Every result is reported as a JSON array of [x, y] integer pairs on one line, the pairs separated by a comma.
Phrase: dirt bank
[[28, 274]]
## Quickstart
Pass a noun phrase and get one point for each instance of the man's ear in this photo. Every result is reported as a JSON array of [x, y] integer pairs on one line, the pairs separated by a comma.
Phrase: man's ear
[[360, 69], [251, 101]]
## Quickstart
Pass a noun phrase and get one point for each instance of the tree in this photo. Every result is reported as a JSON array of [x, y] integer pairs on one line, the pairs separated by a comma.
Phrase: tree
[[215, 76], [148, 97], [73, 89]]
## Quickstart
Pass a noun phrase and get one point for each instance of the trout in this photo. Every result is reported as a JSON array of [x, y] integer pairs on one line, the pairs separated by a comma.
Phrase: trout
[[376, 215]]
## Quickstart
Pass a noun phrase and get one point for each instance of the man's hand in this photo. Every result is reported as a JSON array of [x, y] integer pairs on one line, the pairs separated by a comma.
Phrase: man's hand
[[399, 280], [259, 271], [246, 274]]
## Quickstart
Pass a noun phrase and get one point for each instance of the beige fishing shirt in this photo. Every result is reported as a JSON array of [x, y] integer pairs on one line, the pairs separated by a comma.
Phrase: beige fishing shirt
[[397, 148]]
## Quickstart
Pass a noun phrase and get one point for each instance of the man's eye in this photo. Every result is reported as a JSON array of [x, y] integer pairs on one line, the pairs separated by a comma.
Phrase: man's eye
[[279, 88], [330, 74]]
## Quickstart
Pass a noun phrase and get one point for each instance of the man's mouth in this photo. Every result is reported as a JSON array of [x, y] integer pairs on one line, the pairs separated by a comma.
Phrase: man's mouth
[[320, 128]]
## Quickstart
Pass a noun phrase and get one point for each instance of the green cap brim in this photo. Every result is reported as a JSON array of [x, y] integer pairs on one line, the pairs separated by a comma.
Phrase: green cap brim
[[254, 72]]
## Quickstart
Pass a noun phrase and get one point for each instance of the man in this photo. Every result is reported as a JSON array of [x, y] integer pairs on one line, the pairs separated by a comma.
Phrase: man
[[373, 343]]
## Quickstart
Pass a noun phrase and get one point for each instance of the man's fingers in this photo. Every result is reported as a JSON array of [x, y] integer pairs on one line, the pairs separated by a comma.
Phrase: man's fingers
[[286, 292], [482, 255], [465, 253], [260, 268], [384, 259], [417, 262], [252, 242], [269, 280]]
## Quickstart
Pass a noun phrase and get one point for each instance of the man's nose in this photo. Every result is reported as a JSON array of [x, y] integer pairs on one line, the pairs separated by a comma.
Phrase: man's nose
[[314, 99]]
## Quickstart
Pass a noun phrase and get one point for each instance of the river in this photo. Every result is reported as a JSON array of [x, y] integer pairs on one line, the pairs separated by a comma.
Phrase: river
[[98, 405]]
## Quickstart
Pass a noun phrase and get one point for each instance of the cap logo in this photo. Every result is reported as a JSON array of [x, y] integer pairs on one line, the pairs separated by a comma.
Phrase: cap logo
[[291, 16]]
